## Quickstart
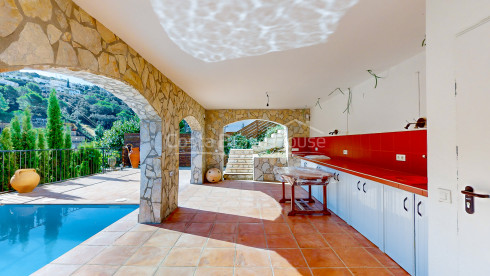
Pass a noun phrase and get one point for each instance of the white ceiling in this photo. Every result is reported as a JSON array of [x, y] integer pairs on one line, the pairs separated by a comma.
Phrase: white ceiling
[[227, 69]]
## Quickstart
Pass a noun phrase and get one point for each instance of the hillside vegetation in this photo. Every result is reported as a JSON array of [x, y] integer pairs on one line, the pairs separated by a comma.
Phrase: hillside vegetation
[[87, 105]]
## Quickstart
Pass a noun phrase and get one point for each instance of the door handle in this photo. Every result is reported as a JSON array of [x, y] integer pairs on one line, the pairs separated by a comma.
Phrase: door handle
[[404, 204], [358, 182], [338, 174], [364, 185], [469, 199], [418, 208]]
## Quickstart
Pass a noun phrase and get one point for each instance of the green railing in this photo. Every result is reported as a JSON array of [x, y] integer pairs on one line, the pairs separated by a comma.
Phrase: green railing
[[55, 165]]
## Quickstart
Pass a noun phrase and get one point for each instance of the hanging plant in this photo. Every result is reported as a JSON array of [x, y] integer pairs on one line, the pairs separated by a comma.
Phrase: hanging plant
[[336, 90], [318, 103], [349, 102], [376, 77]]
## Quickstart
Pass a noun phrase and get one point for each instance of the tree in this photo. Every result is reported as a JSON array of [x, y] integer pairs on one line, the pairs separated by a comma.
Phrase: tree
[[6, 140], [114, 137], [16, 134], [67, 140], [99, 132], [42, 156], [28, 134], [34, 87], [11, 94], [4, 105], [7, 160], [54, 127]]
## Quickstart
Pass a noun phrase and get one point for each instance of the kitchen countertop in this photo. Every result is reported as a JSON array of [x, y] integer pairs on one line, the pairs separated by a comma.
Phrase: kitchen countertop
[[402, 180]]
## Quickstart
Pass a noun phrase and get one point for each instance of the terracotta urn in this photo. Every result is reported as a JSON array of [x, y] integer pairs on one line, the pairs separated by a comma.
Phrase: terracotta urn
[[134, 155], [25, 180], [112, 162], [213, 175]]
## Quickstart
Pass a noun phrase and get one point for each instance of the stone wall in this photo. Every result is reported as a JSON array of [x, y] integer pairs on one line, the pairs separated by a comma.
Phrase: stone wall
[[57, 35], [264, 168], [295, 121]]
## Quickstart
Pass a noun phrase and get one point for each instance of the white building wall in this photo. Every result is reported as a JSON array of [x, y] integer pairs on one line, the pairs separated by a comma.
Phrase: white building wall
[[385, 108]]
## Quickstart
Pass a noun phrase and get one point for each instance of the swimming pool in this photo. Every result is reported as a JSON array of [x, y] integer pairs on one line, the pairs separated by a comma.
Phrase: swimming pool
[[32, 236]]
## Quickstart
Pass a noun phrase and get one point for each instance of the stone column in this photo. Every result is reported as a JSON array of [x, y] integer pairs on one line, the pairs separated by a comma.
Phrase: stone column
[[151, 171], [196, 157]]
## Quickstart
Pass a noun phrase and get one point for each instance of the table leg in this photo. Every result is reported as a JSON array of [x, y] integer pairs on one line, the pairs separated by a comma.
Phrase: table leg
[[325, 210], [283, 199], [293, 202]]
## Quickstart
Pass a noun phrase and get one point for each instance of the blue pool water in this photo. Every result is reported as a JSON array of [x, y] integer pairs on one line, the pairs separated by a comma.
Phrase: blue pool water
[[32, 236]]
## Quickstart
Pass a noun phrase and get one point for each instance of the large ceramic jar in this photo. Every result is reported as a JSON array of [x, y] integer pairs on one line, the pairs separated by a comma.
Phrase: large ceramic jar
[[134, 155], [25, 180], [213, 175]]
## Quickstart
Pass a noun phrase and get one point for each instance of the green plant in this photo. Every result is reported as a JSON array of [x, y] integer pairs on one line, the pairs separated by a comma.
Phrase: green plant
[[114, 137], [54, 127], [376, 77], [349, 102]]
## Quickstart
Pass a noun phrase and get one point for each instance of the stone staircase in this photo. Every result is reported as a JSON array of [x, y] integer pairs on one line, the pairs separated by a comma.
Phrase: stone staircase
[[240, 165], [276, 140]]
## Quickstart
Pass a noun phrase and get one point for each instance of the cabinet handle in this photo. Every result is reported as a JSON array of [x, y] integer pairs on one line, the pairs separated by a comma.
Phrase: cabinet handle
[[358, 182], [338, 176], [363, 186], [404, 204], [304, 164], [418, 208]]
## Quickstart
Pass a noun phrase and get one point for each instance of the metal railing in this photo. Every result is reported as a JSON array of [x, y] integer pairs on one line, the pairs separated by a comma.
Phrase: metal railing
[[55, 165]]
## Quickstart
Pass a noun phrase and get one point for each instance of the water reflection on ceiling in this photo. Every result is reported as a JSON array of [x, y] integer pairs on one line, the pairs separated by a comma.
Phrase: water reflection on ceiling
[[212, 30]]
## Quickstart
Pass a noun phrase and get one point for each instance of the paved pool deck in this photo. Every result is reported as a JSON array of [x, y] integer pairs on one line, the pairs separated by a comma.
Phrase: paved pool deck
[[116, 187]]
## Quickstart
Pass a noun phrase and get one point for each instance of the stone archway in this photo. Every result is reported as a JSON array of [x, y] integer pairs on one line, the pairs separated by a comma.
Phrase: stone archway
[[196, 150], [295, 120], [59, 36]]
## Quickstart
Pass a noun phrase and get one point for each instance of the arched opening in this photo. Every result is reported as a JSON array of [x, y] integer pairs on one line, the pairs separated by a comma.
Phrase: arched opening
[[252, 148], [150, 135], [190, 152]]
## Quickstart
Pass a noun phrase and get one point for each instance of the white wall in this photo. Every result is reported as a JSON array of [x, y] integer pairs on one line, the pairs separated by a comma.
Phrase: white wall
[[386, 108], [445, 18]]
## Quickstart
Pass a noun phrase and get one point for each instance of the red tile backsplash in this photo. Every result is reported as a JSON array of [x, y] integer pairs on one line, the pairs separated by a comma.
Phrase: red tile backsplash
[[377, 149]]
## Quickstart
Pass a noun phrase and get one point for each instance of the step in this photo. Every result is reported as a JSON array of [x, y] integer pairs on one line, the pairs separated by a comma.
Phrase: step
[[232, 171], [241, 167], [240, 158], [239, 177]]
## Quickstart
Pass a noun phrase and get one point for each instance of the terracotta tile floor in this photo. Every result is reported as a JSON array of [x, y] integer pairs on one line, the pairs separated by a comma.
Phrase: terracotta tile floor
[[230, 228]]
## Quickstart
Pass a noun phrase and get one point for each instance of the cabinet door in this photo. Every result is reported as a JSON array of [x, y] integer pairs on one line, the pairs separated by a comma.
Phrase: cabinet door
[[343, 192], [332, 196], [355, 210], [421, 236], [399, 227], [371, 209]]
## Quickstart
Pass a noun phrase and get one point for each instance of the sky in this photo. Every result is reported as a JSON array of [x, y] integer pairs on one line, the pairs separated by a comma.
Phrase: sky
[[59, 76], [236, 126]]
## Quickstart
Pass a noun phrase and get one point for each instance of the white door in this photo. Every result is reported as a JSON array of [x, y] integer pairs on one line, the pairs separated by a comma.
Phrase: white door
[[399, 242], [473, 140], [421, 236]]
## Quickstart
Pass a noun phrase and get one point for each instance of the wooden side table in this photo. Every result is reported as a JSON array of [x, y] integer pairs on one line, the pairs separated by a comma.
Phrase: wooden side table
[[297, 176]]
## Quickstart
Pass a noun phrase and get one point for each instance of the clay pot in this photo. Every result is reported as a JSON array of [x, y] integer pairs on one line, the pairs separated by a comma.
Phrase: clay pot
[[25, 180], [112, 162], [213, 175], [134, 155]]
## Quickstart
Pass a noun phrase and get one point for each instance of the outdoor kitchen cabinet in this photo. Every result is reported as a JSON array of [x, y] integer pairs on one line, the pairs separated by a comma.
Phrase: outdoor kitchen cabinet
[[399, 227], [366, 209], [421, 236]]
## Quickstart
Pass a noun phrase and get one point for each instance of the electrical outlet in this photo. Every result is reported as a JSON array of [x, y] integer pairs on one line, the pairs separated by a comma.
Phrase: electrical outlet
[[316, 149], [345, 152], [401, 157]]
